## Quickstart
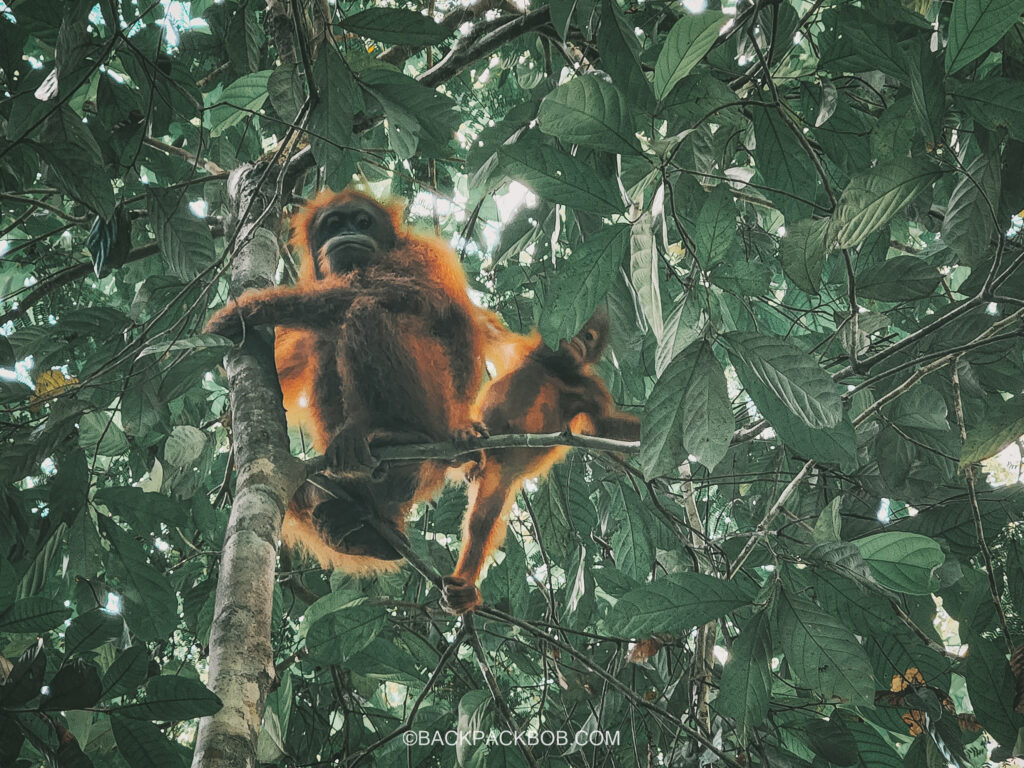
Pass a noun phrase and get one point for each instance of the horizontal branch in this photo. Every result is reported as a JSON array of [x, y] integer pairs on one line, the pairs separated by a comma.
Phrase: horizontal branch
[[450, 450]]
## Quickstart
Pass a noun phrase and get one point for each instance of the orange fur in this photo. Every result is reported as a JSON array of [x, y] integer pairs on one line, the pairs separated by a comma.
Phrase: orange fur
[[542, 392], [388, 342]]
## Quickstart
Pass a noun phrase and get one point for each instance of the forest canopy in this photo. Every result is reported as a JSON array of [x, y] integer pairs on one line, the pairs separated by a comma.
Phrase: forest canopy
[[804, 221]]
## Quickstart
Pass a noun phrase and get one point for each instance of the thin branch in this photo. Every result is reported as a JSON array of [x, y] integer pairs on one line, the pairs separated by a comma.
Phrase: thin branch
[[762, 528], [979, 529], [504, 712], [451, 450]]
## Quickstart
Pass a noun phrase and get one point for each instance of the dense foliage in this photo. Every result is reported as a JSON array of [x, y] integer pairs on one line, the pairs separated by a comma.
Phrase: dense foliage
[[803, 217]]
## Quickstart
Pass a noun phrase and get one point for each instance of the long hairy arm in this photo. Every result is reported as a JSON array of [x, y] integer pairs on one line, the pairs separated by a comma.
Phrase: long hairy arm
[[322, 305]]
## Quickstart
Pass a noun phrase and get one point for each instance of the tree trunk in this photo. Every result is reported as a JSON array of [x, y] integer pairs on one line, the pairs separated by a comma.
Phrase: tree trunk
[[241, 657]]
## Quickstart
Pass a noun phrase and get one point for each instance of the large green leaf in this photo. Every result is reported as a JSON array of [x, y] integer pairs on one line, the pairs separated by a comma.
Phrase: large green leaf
[[126, 672], [995, 102], [823, 653], [747, 678], [904, 562], [676, 603], [901, 278], [184, 239], [972, 214], [330, 121], [802, 251], [143, 745], [620, 55], [573, 290], [560, 178], [644, 270], [792, 375], [336, 637], [688, 412], [782, 162], [33, 614], [990, 684], [977, 25], [172, 697], [1003, 423], [237, 102], [715, 235], [874, 197], [396, 25], [589, 111], [689, 39], [835, 445]]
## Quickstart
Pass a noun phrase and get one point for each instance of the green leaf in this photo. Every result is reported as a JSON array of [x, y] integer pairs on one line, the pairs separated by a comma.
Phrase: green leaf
[[407, 101], [126, 672], [589, 111], [747, 677], [573, 290], [186, 244], [644, 272], [874, 749], [783, 164], [403, 129], [237, 102], [184, 445], [560, 178], [632, 547], [143, 745], [330, 121], [286, 92], [715, 235], [971, 216], [689, 39], [336, 637], [100, 435], [991, 688], [92, 629], [150, 602], [903, 562], [927, 91], [802, 252], [34, 615], [874, 197], [75, 686], [620, 55], [741, 277], [682, 327], [676, 603], [792, 375], [687, 412], [396, 25], [977, 25], [901, 278], [172, 697], [823, 653], [829, 525], [995, 102], [1002, 425], [75, 161], [835, 445], [832, 741]]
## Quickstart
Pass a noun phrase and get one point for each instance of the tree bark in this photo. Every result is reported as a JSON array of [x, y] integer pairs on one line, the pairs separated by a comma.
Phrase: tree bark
[[241, 656]]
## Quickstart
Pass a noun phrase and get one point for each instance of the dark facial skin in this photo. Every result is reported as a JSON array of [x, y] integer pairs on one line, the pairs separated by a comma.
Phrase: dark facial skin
[[587, 346], [351, 234]]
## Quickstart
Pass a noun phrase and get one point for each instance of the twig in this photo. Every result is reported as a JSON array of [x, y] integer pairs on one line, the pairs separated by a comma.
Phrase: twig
[[450, 450], [442, 664], [762, 527], [979, 529], [504, 711]]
